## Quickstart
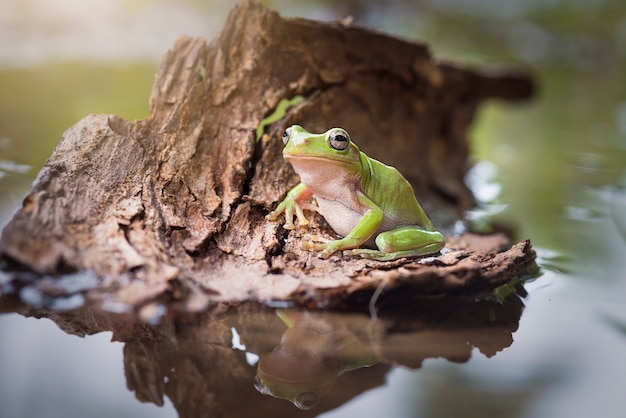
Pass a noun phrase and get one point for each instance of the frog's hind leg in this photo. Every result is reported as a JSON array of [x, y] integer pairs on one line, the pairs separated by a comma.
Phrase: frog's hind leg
[[402, 242]]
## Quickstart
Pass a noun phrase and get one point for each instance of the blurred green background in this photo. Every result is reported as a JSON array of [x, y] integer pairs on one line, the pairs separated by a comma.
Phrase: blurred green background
[[553, 167]]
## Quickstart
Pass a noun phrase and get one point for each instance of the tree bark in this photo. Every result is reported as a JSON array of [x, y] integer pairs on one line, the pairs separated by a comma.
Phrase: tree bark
[[171, 209]]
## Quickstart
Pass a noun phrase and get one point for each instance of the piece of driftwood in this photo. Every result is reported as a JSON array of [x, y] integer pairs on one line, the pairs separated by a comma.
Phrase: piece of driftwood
[[171, 209]]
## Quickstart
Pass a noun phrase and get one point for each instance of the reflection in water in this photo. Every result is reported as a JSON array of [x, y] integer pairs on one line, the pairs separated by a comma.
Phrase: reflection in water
[[206, 364], [312, 353], [617, 208]]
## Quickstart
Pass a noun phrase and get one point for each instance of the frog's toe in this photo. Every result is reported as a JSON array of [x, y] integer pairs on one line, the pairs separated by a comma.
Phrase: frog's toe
[[302, 220], [364, 253], [317, 238], [311, 246], [325, 254]]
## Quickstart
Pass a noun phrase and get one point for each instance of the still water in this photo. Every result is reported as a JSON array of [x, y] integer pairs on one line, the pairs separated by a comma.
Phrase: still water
[[554, 169]]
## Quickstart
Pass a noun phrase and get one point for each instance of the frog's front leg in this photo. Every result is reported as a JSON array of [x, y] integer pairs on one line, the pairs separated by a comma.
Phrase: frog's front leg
[[366, 227], [407, 241], [292, 204]]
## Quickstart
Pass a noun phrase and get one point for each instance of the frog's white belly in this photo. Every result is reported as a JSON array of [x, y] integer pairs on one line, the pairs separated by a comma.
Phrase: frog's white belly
[[336, 195], [341, 218]]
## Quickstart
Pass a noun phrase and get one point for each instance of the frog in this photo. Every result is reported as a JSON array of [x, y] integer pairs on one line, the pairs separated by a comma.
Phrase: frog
[[370, 205]]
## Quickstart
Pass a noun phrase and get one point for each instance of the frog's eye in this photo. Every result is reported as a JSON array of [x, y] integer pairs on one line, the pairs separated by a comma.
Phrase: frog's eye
[[339, 139], [307, 400], [286, 135]]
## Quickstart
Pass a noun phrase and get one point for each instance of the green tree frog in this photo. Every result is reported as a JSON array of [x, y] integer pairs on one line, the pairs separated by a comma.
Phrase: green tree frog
[[366, 202]]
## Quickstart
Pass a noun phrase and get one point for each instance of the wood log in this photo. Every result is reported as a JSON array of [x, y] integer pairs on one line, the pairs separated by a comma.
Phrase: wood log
[[170, 209]]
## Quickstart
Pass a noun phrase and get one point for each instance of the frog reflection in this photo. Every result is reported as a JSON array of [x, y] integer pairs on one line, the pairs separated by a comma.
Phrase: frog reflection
[[311, 355]]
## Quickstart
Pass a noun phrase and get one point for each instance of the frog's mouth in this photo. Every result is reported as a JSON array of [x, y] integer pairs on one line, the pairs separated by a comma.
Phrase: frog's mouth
[[330, 160], [323, 169]]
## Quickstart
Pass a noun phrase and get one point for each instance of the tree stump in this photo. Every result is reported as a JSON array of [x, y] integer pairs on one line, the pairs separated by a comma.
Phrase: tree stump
[[170, 209]]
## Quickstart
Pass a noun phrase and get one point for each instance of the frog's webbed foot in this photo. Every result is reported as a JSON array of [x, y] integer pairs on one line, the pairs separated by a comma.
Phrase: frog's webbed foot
[[318, 240], [317, 243], [289, 208]]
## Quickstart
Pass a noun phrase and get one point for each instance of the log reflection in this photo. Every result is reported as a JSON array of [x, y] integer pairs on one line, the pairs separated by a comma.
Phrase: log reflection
[[225, 362]]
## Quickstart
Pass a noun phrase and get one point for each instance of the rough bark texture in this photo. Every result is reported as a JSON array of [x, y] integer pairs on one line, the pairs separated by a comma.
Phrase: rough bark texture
[[172, 207]]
